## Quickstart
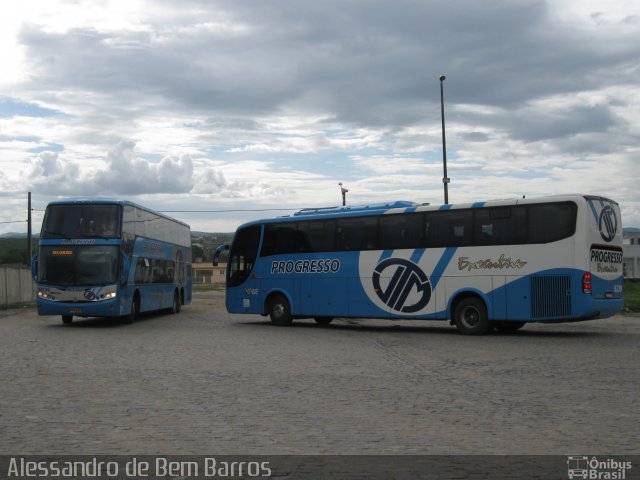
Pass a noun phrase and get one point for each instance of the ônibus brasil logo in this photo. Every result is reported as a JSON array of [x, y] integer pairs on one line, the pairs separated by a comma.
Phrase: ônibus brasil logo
[[608, 223], [405, 277]]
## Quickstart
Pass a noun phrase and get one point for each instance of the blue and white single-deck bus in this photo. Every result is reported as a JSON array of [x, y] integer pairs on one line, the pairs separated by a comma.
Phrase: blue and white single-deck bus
[[496, 264], [108, 258]]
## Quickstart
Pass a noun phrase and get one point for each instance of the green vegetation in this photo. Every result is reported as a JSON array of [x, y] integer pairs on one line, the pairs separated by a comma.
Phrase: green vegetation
[[632, 296], [203, 245], [14, 250]]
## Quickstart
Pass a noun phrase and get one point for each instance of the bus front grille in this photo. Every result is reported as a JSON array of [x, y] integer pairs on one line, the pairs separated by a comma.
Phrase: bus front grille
[[550, 296]]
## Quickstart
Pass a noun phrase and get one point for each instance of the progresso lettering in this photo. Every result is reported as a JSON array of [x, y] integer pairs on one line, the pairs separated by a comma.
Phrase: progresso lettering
[[606, 256], [326, 265]]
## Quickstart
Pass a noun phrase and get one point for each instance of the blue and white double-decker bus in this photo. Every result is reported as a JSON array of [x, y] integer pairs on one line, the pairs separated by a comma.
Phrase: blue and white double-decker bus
[[107, 258], [485, 265]]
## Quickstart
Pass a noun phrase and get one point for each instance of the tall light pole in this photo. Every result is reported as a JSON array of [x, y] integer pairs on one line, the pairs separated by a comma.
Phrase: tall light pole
[[445, 178], [29, 252]]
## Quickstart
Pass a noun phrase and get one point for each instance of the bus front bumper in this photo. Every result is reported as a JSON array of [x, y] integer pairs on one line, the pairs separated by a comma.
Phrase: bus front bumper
[[104, 308]]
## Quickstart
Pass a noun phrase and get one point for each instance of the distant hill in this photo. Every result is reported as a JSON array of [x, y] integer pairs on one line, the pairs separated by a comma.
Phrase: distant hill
[[17, 235]]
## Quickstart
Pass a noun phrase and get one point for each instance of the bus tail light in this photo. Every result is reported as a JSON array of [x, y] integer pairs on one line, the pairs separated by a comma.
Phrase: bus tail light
[[586, 283]]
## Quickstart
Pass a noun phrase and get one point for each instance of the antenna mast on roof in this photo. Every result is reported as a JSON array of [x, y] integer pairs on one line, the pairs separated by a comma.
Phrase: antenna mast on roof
[[344, 194]]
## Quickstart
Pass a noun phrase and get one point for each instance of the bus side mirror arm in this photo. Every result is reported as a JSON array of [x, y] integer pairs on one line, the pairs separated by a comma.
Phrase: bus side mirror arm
[[125, 268], [217, 252], [34, 268]]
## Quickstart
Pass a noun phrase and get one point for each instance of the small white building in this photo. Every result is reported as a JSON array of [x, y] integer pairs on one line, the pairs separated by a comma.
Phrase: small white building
[[204, 273], [631, 253]]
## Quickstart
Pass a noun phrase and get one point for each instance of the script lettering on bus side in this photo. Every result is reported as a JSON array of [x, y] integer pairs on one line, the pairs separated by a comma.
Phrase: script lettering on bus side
[[326, 265], [501, 264]]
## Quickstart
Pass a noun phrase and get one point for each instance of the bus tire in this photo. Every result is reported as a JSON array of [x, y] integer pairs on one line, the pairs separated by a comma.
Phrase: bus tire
[[135, 310], [323, 320], [507, 326], [470, 316], [279, 311], [176, 306], [67, 319]]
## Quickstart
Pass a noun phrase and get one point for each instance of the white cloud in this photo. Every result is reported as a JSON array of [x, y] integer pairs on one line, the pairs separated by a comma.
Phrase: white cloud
[[248, 104], [121, 173], [47, 172], [211, 181], [393, 164]]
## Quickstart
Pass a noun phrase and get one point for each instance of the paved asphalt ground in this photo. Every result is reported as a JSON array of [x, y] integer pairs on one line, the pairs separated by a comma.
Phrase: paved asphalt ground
[[205, 382]]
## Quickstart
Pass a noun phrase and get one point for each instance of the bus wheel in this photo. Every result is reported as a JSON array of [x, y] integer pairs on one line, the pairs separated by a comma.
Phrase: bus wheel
[[67, 319], [505, 326], [175, 308], [470, 316], [279, 311], [323, 320], [135, 310]]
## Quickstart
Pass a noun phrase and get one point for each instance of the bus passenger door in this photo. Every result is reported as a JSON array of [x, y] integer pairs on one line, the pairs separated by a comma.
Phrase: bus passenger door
[[303, 296]]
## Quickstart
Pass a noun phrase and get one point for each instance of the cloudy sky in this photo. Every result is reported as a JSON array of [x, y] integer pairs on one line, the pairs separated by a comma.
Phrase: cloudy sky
[[246, 105]]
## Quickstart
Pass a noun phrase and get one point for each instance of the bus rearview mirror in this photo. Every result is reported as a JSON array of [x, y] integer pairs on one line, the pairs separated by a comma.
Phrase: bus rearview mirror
[[217, 252]]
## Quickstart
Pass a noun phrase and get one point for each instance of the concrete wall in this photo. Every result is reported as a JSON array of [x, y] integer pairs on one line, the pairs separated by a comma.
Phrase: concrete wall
[[16, 286], [631, 254], [631, 258]]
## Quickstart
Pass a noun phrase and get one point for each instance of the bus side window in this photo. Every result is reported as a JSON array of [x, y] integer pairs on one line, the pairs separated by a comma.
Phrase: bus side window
[[551, 221], [143, 271], [357, 233], [500, 226], [401, 231], [319, 236], [451, 228], [282, 238]]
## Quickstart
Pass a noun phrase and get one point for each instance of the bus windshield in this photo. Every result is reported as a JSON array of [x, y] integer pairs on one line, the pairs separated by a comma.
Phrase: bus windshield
[[80, 221], [242, 257], [78, 265]]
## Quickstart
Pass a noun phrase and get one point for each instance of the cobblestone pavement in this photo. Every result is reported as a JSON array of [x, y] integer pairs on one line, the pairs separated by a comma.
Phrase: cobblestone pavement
[[205, 382]]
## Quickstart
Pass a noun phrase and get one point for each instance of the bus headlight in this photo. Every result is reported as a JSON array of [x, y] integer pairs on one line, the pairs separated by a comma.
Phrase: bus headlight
[[108, 296], [45, 296]]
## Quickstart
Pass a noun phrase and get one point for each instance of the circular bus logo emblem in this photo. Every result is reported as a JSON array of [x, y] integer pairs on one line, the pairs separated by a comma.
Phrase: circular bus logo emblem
[[608, 223], [405, 277]]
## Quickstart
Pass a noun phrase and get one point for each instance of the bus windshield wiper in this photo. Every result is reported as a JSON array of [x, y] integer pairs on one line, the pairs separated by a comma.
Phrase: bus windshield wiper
[[59, 234]]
